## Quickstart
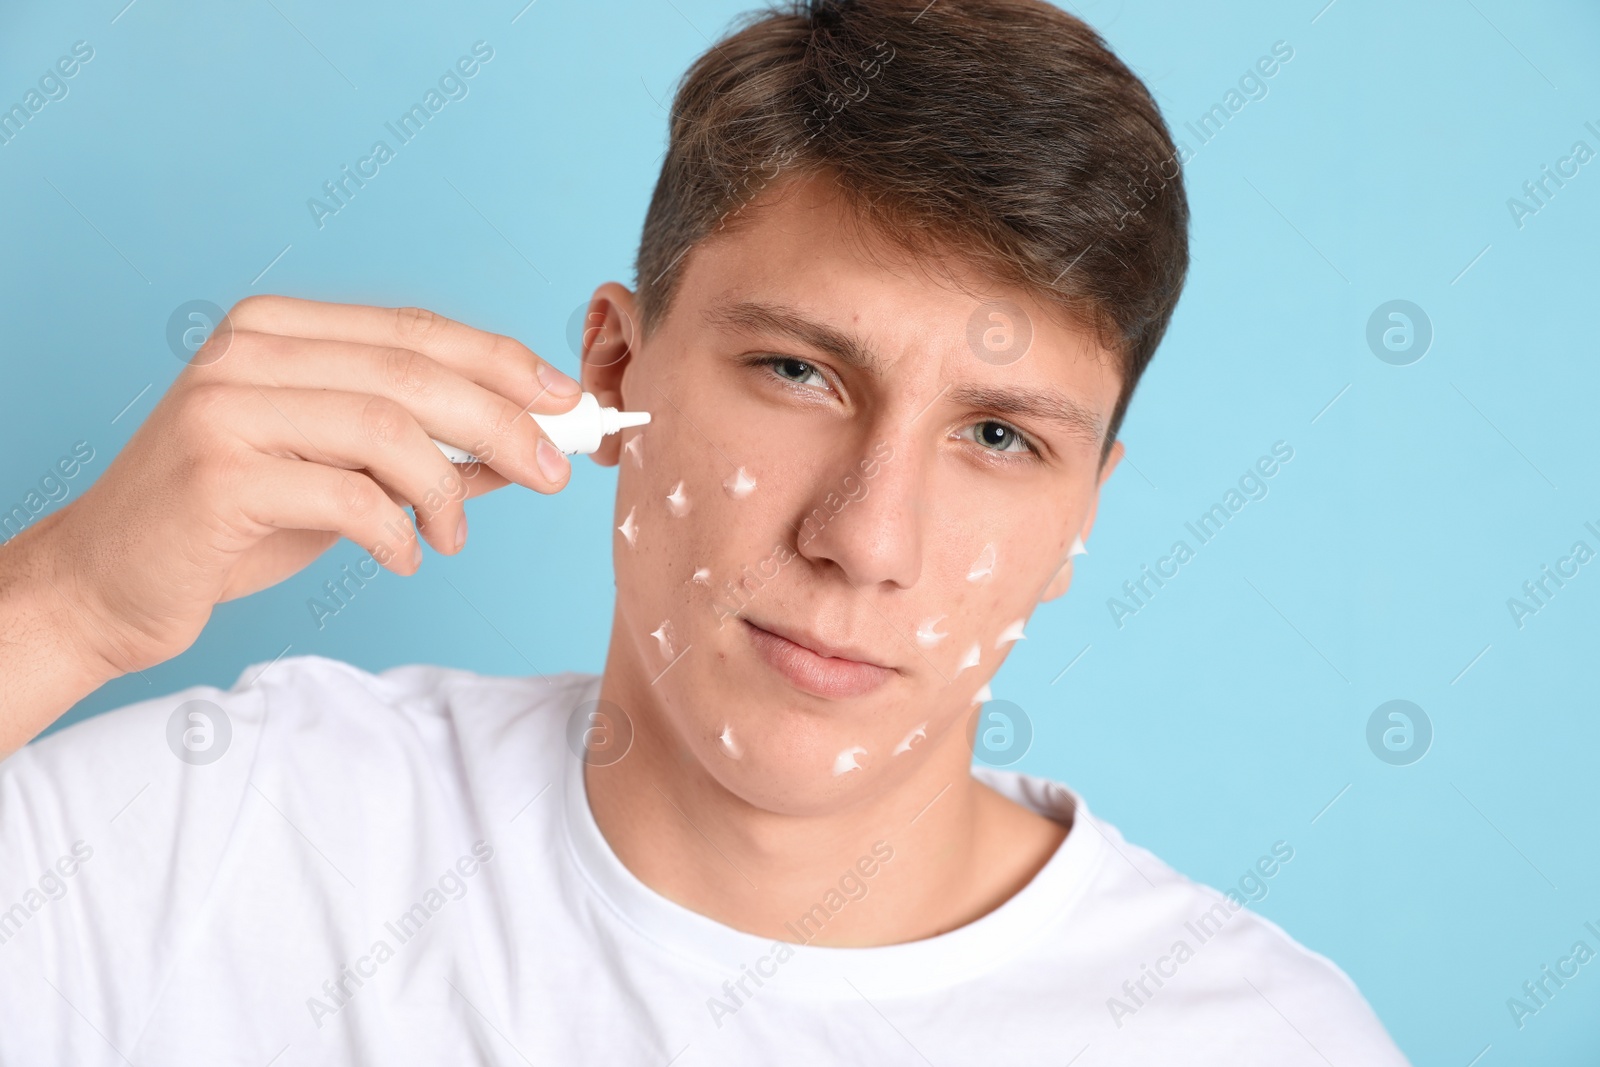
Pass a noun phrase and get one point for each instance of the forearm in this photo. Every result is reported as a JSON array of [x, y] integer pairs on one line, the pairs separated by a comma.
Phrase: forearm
[[46, 665]]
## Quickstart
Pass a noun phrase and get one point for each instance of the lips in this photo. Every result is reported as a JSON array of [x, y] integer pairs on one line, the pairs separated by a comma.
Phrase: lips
[[816, 667]]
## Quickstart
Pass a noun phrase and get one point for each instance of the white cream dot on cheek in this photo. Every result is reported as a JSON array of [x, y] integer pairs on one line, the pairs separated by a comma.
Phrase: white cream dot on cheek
[[702, 575], [1011, 633], [739, 484], [629, 528], [678, 501], [918, 734], [730, 747], [983, 695], [635, 448], [927, 635], [845, 762], [663, 636], [971, 659], [983, 566]]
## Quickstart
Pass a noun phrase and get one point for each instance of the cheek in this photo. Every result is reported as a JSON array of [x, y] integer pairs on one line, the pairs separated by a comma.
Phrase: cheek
[[661, 532], [982, 584], [688, 527]]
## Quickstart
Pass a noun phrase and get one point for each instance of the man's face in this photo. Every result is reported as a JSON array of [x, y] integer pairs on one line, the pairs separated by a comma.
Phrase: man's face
[[842, 453]]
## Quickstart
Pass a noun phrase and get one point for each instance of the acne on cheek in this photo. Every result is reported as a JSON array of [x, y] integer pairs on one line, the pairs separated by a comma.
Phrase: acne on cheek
[[982, 568], [739, 484], [980, 572], [664, 640], [678, 500], [848, 760], [976, 652], [928, 632], [629, 527], [918, 734]]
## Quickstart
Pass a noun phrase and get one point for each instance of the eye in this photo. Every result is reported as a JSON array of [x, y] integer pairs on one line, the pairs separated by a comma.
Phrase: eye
[[1001, 437], [790, 369], [991, 435]]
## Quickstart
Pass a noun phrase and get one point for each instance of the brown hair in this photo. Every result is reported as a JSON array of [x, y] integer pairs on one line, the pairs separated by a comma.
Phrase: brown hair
[[1002, 130]]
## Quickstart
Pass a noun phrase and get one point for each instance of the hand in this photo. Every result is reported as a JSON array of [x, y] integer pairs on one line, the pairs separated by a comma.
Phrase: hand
[[303, 423]]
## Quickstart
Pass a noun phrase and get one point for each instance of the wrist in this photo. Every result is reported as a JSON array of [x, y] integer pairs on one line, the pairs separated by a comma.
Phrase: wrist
[[53, 585], [50, 658]]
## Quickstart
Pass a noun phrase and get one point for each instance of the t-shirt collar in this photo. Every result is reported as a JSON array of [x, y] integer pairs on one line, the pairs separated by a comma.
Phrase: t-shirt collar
[[908, 968]]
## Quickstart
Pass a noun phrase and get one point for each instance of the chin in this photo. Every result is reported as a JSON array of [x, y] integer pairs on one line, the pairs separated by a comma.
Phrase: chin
[[762, 720], [788, 752]]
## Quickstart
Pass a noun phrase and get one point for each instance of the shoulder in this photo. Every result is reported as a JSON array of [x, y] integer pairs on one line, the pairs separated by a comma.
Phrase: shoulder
[[143, 826], [424, 704], [328, 726], [337, 700], [1228, 963], [1172, 956]]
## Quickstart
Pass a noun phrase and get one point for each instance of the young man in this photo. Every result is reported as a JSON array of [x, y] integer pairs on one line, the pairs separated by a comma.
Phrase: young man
[[903, 268]]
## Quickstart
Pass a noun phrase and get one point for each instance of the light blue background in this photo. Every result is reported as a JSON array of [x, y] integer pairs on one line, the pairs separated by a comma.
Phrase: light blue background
[[1226, 714]]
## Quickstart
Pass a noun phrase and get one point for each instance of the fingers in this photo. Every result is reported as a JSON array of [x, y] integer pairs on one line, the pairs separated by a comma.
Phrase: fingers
[[353, 431], [448, 405], [292, 494], [494, 361]]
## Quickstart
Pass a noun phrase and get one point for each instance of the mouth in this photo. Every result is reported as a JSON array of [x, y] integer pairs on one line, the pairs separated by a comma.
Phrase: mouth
[[816, 667]]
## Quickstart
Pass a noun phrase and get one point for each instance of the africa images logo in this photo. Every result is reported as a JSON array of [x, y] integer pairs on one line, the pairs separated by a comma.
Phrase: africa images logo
[[198, 732]]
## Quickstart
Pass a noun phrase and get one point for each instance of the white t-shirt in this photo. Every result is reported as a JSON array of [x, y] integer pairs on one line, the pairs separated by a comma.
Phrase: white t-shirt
[[402, 868]]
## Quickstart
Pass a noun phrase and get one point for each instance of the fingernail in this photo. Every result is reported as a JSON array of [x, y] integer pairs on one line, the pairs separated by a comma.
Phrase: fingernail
[[551, 461], [461, 533], [558, 383]]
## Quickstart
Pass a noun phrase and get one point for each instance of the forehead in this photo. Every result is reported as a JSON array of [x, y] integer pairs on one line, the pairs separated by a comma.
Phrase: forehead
[[801, 264]]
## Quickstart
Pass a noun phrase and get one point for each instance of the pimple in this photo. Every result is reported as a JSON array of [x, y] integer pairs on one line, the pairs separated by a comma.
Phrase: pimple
[[1012, 633], [739, 485], [927, 635], [918, 733], [663, 636], [678, 501], [629, 528], [845, 762], [983, 566]]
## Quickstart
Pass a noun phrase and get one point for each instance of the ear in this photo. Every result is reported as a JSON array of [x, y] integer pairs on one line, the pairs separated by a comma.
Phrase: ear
[[1063, 576], [610, 338]]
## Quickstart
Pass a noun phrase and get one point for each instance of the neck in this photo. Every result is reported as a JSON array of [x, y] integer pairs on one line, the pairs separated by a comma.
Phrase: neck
[[932, 852]]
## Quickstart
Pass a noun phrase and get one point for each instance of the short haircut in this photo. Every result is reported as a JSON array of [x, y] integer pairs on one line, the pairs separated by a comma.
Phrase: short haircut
[[1004, 132]]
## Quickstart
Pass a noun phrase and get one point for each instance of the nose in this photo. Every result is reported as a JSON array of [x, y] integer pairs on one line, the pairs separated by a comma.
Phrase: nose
[[865, 515]]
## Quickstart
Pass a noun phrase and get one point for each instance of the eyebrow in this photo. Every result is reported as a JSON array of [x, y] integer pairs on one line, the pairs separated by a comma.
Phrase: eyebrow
[[757, 317], [1045, 405], [1041, 404]]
